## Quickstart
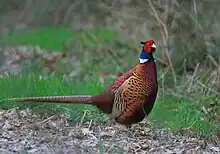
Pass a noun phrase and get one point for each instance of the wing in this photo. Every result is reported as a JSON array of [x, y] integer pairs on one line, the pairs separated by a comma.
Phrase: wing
[[130, 96], [119, 99], [114, 88], [105, 99], [117, 83]]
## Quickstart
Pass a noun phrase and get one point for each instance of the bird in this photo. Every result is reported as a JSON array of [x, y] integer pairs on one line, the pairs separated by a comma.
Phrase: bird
[[128, 99]]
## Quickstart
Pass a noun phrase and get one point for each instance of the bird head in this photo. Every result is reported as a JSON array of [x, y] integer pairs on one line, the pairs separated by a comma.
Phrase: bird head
[[149, 46]]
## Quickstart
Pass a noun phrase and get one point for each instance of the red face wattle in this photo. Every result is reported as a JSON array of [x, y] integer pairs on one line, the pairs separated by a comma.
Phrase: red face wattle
[[149, 46]]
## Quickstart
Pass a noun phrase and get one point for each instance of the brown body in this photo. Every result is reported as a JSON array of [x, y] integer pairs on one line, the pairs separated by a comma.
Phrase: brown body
[[131, 97], [127, 100]]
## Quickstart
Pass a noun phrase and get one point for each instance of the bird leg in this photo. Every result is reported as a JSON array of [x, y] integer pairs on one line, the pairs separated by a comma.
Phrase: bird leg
[[128, 126]]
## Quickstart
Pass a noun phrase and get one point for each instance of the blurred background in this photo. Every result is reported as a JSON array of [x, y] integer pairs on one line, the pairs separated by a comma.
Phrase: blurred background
[[53, 47]]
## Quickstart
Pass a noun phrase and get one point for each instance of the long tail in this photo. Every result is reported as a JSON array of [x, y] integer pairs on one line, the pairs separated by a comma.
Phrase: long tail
[[81, 99]]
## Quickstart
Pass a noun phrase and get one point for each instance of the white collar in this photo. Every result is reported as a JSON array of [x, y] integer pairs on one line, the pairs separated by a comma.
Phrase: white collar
[[143, 60]]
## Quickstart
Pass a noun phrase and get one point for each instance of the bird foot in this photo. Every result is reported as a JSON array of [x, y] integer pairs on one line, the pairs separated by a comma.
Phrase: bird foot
[[128, 126]]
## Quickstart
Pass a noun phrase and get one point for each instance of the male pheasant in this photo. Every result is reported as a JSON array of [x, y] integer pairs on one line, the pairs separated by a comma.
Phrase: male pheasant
[[128, 99]]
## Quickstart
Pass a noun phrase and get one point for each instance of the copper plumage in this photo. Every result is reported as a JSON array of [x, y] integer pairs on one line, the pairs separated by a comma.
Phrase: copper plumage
[[128, 99]]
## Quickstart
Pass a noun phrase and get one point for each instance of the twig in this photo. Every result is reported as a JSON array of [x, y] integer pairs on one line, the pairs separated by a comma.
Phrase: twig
[[110, 148], [90, 123], [70, 10], [81, 121], [193, 123], [5, 150], [195, 11], [175, 15], [165, 36], [159, 20], [193, 77], [41, 122], [56, 17]]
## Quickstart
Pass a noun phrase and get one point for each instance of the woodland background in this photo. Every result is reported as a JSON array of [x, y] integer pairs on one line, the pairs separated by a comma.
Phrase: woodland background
[[53, 47]]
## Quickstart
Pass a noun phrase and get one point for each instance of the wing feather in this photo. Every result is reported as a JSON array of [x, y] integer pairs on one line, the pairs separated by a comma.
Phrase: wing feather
[[130, 96]]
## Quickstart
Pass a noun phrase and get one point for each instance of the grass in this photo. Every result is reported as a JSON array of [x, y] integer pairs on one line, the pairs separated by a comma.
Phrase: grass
[[54, 38], [169, 111], [35, 85], [41, 37], [178, 113]]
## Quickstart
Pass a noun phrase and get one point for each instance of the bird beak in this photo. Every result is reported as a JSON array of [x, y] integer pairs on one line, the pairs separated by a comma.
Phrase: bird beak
[[153, 46], [143, 42]]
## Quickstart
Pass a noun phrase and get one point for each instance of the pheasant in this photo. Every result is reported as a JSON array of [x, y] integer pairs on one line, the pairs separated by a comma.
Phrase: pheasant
[[128, 99]]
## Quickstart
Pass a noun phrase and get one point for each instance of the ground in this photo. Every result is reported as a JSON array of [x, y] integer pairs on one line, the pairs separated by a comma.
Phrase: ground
[[22, 131]]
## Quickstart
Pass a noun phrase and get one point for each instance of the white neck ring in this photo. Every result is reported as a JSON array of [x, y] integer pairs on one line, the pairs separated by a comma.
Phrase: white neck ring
[[142, 60]]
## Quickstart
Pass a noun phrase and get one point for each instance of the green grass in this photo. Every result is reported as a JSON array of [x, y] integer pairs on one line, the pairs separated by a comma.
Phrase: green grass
[[55, 38], [171, 112], [34, 85], [178, 113], [47, 37]]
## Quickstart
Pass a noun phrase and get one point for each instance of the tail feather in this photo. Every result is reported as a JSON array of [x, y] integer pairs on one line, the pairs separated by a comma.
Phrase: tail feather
[[81, 99]]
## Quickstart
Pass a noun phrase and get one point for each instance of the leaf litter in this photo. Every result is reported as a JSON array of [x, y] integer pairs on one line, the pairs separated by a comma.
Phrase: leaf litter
[[22, 131]]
